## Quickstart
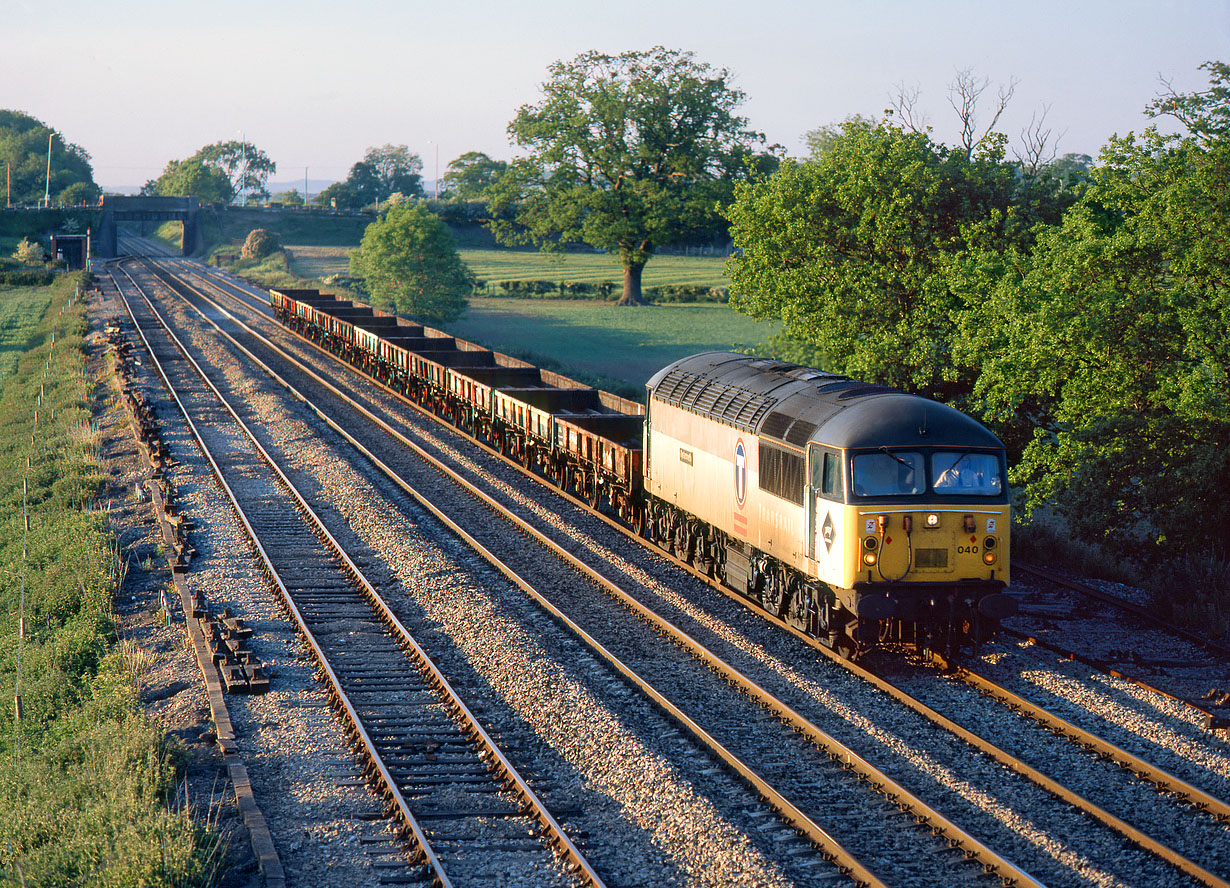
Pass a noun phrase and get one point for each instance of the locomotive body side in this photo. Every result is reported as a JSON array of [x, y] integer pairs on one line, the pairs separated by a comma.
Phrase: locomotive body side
[[855, 511]]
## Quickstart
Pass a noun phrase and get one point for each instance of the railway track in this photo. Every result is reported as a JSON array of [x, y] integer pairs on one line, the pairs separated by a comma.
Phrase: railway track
[[1135, 835], [462, 804], [1195, 668], [883, 797]]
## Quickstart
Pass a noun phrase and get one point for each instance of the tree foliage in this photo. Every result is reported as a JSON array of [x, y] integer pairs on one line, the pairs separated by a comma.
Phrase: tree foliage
[[23, 149], [217, 174], [408, 261], [469, 176], [247, 168], [850, 250], [383, 171], [1114, 336], [192, 178], [1083, 311], [626, 153]]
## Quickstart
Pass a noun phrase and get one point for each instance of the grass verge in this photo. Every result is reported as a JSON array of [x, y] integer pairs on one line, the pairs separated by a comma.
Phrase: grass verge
[[85, 778]]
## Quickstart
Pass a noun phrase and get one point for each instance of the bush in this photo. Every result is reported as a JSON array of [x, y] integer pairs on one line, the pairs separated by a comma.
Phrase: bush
[[28, 251], [259, 244]]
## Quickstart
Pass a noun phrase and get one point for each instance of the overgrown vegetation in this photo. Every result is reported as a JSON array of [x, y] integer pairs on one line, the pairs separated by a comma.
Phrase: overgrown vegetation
[[1083, 312], [87, 783]]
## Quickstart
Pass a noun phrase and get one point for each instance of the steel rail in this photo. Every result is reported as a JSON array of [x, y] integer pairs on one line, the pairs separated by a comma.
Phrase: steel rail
[[1212, 721], [1111, 821], [557, 838], [1202, 641], [905, 799], [1159, 777]]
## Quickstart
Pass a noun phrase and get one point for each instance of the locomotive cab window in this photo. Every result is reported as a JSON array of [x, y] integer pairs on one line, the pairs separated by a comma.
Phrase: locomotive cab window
[[826, 474], [888, 473], [966, 473]]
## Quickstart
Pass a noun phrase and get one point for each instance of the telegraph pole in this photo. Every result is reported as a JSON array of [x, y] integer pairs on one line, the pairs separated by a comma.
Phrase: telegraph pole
[[47, 195]]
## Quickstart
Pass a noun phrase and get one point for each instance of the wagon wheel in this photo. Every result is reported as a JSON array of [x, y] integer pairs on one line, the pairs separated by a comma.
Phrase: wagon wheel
[[593, 491], [527, 455]]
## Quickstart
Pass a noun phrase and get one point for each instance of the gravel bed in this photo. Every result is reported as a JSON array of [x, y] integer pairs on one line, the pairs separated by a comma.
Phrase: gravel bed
[[654, 811], [993, 798], [326, 834], [1094, 629]]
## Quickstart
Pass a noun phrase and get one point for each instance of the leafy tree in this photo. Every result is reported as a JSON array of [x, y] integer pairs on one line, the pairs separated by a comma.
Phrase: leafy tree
[[340, 194], [1113, 336], [193, 177], [23, 149], [291, 198], [247, 168], [381, 173], [409, 262], [470, 175], [851, 250], [626, 153]]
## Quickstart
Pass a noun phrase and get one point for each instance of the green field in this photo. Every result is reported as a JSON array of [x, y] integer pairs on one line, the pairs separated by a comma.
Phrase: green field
[[21, 310], [604, 341], [522, 265], [592, 268]]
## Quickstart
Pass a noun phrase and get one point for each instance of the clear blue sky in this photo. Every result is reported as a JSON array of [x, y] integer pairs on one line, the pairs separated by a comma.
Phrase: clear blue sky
[[315, 83]]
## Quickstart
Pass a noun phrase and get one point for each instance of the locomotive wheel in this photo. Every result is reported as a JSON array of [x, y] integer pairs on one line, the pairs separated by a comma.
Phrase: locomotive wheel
[[800, 602], [774, 594]]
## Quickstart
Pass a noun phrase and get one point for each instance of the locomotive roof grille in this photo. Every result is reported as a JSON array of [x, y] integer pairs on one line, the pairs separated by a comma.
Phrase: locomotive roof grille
[[731, 404]]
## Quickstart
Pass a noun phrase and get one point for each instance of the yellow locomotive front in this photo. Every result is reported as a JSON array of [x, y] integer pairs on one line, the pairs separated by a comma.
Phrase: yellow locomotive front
[[925, 539]]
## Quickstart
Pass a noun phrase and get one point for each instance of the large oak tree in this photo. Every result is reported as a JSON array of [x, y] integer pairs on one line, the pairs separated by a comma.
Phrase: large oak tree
[[626, 153]]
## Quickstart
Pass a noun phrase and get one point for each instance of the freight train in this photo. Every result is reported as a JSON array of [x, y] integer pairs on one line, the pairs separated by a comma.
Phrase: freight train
[[855, 512]]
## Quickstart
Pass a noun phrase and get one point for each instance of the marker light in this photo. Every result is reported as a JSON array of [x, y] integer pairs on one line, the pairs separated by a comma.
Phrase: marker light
[[988, 557], [989, 543], [870, 542], [933, 520], [869, 558]]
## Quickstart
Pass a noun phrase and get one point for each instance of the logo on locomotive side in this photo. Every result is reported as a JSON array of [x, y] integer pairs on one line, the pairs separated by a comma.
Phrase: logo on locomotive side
[[740, 472]]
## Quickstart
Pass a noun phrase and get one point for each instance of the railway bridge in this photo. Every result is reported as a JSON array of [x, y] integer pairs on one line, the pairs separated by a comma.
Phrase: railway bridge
[[147, 209]]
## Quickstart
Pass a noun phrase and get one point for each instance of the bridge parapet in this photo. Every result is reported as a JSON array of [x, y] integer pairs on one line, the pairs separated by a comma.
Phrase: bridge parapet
[[146, 209]]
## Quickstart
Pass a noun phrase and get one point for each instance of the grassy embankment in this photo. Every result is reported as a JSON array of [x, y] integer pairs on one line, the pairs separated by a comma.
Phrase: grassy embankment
[[85, 777]]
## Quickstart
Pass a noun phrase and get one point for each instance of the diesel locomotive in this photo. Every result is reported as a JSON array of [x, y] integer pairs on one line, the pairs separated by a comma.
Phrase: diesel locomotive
[[855, 512]]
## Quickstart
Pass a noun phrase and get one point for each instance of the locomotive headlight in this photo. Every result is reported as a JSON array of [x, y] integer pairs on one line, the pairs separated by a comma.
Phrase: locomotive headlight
[[870, 542], [933, 520], [989, 543], [988, 557], [869, 558]]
